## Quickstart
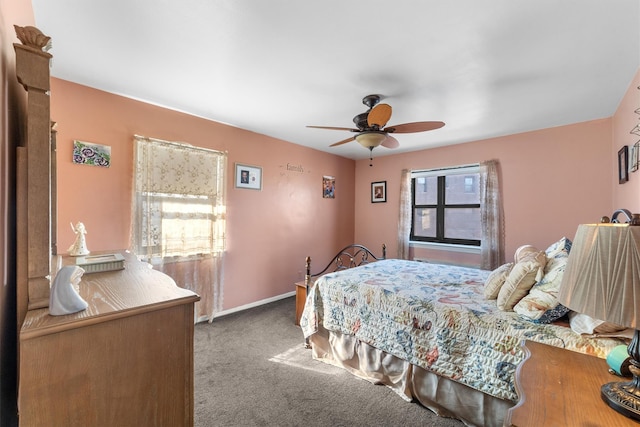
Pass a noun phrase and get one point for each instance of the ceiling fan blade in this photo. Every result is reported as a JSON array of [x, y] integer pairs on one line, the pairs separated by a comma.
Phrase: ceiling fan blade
[[334, 128], [343, 141], [414, 127], [390, 142], [379, 115]]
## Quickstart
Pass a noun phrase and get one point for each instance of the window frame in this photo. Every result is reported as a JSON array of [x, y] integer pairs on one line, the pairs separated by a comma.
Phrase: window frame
[[441, 206]]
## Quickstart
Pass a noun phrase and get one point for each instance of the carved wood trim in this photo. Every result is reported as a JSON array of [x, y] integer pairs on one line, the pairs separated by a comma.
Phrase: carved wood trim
[[22, 253]]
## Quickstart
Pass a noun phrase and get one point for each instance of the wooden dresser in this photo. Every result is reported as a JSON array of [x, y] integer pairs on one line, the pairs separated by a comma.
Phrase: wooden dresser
[[562, 388], [127, 360]]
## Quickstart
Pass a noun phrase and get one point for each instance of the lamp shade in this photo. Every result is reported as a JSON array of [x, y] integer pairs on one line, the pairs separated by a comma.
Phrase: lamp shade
[[602, 275], [371, 139]]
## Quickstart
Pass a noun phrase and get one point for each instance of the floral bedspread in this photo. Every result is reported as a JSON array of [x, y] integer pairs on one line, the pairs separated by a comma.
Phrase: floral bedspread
[[435, 316]]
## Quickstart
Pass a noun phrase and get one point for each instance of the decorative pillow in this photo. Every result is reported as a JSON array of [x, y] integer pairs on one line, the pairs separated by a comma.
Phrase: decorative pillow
[[523, 276], [541, 304], [558, 250], [496, 279], [552, 314], [524, 251]]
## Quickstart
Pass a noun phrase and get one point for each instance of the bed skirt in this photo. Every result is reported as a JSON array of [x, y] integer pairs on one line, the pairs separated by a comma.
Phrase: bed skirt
[[445, 397]]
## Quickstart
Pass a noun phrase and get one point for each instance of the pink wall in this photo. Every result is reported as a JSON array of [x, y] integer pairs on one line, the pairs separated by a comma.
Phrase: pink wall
[[626, 195], [552, 180], [269, 232]]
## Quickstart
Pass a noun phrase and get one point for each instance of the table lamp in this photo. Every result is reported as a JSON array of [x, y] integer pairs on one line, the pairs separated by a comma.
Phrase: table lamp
[[602, 280]]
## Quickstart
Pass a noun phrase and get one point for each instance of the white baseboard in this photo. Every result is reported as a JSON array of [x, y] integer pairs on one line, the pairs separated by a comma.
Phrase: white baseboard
[[251, 305]]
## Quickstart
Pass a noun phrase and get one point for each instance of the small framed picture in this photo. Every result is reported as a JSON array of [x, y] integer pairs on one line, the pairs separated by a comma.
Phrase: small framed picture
[[379, 192], [633, 157], [623, 165], [328, 187], [248, 177], [87, 153]]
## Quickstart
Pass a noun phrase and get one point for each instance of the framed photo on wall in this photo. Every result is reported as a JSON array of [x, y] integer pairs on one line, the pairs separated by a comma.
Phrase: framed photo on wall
[[328, 187], [379, 192], [633, 157], [623, 165], [248, 177]]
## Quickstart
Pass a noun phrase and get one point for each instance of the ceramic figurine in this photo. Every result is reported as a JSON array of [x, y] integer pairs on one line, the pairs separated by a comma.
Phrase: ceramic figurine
[[64, 297], [79, 247]]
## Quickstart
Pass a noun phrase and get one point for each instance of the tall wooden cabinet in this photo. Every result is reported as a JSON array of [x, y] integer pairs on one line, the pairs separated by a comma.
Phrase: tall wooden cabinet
[[127, 360]]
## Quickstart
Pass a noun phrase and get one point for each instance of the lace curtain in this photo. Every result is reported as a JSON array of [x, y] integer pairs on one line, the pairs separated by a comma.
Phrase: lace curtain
[[178, 216], [491, 216], [404, 220]]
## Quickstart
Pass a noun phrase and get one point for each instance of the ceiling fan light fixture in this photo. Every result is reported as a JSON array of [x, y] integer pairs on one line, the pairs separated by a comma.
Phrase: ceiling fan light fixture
[[371, 139], [372, 129]]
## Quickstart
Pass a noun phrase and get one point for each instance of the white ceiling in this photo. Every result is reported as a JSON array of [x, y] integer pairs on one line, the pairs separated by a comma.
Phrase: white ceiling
[[484, 67]]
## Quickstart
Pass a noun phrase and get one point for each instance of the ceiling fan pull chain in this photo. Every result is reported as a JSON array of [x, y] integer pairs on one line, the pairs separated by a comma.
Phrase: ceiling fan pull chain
[[371, 156]]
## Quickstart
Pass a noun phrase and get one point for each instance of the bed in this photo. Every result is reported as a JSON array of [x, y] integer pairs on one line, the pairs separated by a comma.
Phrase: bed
[[429, 332]]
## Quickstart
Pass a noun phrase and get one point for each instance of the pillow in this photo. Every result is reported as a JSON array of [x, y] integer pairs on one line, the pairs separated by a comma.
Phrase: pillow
[[541, 304], [559, 248], [583, 324], [523, 251], [496, 279], [522, 277]]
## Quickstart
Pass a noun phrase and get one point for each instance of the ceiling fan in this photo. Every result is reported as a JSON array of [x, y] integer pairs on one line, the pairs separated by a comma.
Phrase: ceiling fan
[[371, 131]]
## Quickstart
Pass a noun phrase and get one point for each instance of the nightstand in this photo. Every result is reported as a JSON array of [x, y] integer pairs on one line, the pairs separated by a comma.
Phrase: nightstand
[[562, 388], [301, 297]]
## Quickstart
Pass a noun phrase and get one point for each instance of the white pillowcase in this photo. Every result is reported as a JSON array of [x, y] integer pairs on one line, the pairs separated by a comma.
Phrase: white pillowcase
[[583, 324]]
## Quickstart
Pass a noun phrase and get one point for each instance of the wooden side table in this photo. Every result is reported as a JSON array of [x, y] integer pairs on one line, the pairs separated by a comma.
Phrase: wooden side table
[[301, 297], [562, 388]]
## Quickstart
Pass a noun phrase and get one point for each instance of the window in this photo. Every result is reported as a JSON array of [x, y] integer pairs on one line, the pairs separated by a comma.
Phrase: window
[[178, 222], [179, 207], [470, 184], [446, 206], [186, 227]]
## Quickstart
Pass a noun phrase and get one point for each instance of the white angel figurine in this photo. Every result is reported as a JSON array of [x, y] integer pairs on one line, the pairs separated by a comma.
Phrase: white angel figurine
[[64, 297], [79, 247]]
